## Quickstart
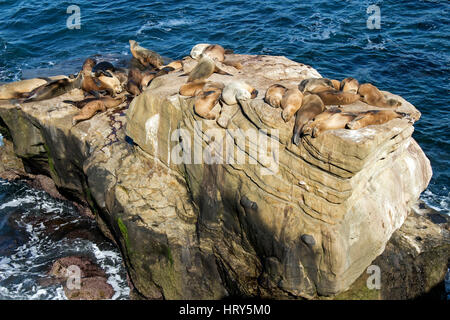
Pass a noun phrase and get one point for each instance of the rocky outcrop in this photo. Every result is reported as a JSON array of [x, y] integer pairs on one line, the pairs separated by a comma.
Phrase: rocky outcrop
[[195, 222], [414, 263]]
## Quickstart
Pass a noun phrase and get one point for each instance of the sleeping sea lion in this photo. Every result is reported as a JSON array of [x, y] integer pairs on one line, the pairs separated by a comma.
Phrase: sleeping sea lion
[[291, 102], [54, 88], [335, 97], [312, 106], [371, 95], [238, 90], [374, 117], [274, 95], [314, 85], [349, 85], [20, 89], [329, 120], [205, 101], [93, 106]]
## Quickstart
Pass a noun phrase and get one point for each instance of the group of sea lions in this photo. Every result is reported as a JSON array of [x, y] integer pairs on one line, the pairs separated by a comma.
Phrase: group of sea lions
[[308, 102], [102, 82]]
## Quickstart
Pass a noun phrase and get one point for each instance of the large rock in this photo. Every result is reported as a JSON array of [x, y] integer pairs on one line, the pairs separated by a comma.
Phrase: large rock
[[294, 222]]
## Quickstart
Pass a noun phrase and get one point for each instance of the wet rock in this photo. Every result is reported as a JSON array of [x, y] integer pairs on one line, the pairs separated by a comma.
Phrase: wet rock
[[92, 283]]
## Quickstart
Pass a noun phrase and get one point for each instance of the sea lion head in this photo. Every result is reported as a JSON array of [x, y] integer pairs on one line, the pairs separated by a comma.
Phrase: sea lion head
[[349, 85], [88, 64], [238, 90], [198, 49]]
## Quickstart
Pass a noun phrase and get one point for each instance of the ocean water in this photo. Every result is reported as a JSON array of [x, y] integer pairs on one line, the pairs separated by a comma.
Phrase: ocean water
[[408, 55]]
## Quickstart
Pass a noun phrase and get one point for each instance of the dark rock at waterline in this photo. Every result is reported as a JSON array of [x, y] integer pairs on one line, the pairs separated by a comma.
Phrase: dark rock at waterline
[[93, 283], [94, 288]]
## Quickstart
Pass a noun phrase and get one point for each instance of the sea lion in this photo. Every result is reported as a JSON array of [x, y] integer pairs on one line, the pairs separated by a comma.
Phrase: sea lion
[[138, 80], [104, 67], [349, 85], [198, 49], [371, 95], [334, 97], [215, 52], [238, 90], [205, 101], [54, 88], [191, 89], [374, 117], [291, 102], [176, 65], [145, 56], [328, 120], [314, 85], [21, 89], [274, 95], [93, 106], [91, 83], [312, 106], [336, 84], [204, 69]]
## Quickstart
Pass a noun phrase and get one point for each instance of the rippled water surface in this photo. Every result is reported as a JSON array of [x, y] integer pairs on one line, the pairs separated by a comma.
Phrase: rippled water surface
[[408, 55]]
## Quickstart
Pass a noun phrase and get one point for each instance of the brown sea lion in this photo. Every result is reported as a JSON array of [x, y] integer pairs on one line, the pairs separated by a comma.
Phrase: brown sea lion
[[92, 83], [176, 65], [205, 101], [191, 89], [198, 49], [21, 89], [291, 102], [54, 89], [311, 107], [145, 56], [204, 69], [238, 90], [349, 85], [374, 117], [274, 95], [138, 80], [314, 85], [215, 52], [93, 106], [334, 97], [336, 84], [328, 120], [371, 95]]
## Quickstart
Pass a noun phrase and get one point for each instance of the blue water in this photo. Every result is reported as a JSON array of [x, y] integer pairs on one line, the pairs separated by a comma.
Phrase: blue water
[[408, 55]]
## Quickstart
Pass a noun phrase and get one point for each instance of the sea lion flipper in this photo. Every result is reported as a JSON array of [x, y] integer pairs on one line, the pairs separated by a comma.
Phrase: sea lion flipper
[[97, 82], [95, 93], [220, 71]]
